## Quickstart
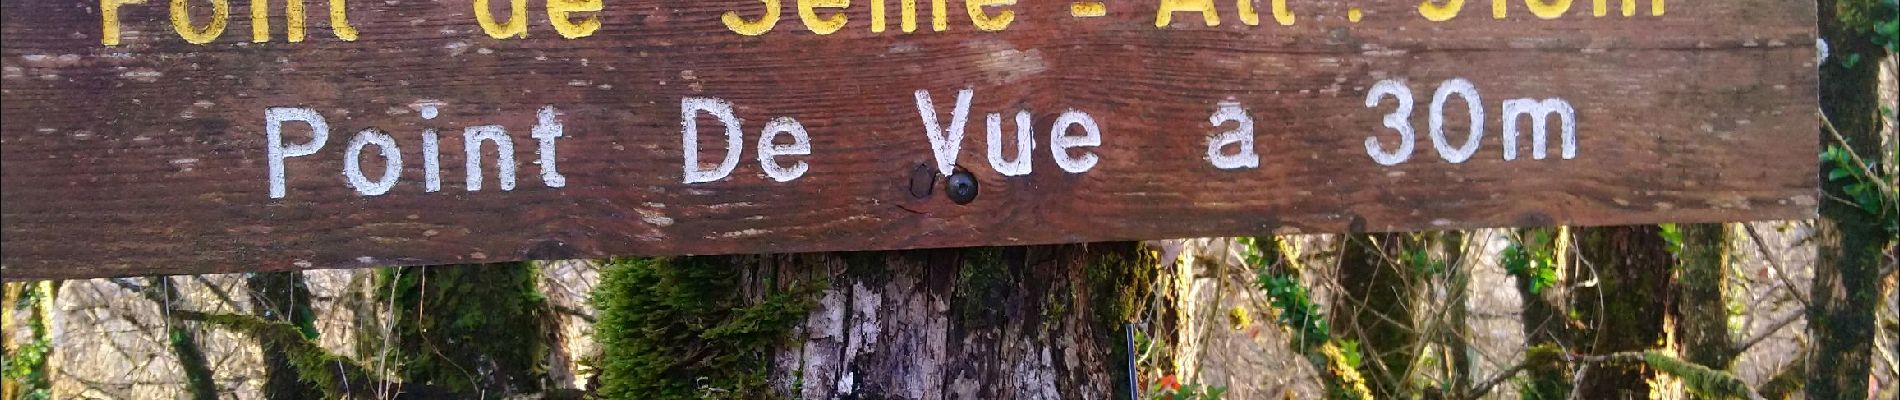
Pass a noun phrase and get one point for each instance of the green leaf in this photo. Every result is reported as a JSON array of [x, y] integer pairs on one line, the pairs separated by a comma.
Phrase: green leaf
[[1546, 277], [1834, 154], [1672, 236], [1838, 173], [1349, 350]]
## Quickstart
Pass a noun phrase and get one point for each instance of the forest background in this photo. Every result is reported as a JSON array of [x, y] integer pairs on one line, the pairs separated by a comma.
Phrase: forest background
[[1777, 309]]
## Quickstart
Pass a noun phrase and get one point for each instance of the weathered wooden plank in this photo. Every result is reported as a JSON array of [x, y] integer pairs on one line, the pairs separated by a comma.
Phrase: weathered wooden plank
[[150, 156]]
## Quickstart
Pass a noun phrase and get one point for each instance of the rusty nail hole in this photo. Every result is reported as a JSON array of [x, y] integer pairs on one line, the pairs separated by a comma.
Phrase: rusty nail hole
[[922, 179]]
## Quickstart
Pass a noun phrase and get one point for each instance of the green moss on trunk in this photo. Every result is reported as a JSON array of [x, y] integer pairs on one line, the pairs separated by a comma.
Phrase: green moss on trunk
[[468, 329], [282, 297], [1625, 311], [182, 340], [983, 284], [680, 328], [1701, 307], [1849, 238], [331, 375], [1119, 275]]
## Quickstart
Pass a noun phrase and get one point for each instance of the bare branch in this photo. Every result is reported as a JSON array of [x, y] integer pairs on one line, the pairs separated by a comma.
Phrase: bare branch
[[1775, 261], [1770, 331]]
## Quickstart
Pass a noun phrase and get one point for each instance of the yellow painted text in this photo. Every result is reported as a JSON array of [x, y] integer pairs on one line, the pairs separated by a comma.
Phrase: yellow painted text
[[559, 15], [1165, 15], [181, 21], [1548, 10], [1601, 8], [1440, 12], [1088, 9], [986, 22], [757, 27], [109, 20], [1210, 16], [294, 21], [517, 25], [823, 25]]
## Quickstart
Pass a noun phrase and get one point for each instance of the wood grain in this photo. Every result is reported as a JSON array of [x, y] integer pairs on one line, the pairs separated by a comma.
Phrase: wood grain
[[149, 157]]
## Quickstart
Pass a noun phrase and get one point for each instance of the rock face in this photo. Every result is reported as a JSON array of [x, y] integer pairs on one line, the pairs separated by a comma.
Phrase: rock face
[[1042, 322]]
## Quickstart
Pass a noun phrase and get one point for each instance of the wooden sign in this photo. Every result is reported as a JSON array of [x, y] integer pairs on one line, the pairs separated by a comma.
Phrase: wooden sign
[[154, 136]]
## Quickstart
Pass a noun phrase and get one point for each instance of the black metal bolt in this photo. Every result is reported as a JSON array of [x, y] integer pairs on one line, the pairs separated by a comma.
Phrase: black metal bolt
[[961, 187]]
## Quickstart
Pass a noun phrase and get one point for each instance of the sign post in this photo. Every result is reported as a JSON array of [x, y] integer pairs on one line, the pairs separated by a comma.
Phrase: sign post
[[200, 136]]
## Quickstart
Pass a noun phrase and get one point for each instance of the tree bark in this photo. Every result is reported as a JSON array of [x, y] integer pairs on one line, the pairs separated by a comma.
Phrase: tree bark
[[1849, 239], [1039, 322], [1625, 311], [1701, 307]]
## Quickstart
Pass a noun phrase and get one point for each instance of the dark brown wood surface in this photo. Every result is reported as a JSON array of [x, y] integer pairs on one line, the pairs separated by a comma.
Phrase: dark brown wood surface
[[149, 156]]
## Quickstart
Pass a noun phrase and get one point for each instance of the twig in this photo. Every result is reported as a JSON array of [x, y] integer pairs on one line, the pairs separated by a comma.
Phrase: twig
[[1576, 379], [1484, 388], [128, 284], [1770, 331], [217, 291], [1775, 261], [389, 332], [1865, 169], [573, 312], [1569, 238]]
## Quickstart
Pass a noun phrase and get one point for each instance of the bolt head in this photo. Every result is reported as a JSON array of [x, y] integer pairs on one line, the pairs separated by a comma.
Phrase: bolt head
[[961, 187]]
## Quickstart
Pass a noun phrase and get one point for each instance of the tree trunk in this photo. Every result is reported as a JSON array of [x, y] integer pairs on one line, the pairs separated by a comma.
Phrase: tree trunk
[[1546, 326], [28, 363], [1458, 327], [1374, 308], [1849, 239], [183, 340], [282, 297], [1040, 322], [1626, 309], [1701, 308], [471, 330], [10, 388], [332, 376]]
